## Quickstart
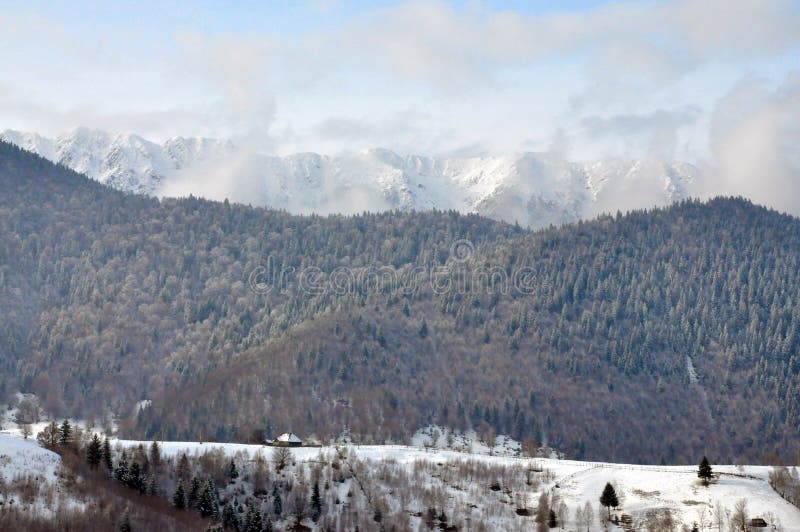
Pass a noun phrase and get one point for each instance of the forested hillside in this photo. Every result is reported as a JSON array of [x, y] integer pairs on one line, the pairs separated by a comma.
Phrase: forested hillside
[[650, 336]]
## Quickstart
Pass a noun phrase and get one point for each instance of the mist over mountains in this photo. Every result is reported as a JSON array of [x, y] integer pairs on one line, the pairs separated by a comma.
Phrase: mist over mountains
[[531, 189]]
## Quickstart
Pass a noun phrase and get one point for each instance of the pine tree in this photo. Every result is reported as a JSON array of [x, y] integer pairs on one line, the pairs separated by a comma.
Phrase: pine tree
[[194, 493], [704, 472], [107, 455], [155, 455], [94, 452], [316, 502], [121, 471], [152, 485], [609, 498], [233, 473], [135, 479], [423, 329], [229, 519], [207, 502], [65, 433], [277, 505], [252, 522], [183, 469], [179, 497]]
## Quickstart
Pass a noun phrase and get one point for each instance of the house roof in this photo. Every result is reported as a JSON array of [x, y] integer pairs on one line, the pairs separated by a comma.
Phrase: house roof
[[290, 437]]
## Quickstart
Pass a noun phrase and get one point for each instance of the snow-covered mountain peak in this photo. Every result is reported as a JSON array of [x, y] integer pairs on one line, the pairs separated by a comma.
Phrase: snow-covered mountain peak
[[533, 189]]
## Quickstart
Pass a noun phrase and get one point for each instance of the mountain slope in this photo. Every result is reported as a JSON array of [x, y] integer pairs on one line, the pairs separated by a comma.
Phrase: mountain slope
[[232, 319], [530, 189], [126, 162]]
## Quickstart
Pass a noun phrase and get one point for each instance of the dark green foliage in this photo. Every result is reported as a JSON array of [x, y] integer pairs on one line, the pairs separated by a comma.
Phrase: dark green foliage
[[179, 497], [277, 504], [135, 479], [194, 493], [155, 455], [94, 451], [316, 502], [229, 519], [107, 456], [233, 473], [65, 433], [121, 471], [208, 501], [609, 498], [253, 519], [423, 329], [183, 470], [704, 472]]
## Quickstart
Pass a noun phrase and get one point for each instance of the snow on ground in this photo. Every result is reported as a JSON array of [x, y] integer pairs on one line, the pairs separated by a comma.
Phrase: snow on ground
[[20, 457], [678, 489], [641, 487], [469, 442], [28, 474]]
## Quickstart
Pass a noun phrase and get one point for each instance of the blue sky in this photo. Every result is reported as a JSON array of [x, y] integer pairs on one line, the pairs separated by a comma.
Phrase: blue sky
[[586, 79]]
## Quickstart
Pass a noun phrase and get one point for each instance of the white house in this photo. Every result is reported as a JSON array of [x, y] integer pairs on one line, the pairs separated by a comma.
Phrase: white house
[[288, 439]]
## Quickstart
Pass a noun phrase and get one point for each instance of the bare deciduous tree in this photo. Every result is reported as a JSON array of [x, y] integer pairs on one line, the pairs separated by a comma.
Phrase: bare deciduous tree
[[739, 516], [281, 457]]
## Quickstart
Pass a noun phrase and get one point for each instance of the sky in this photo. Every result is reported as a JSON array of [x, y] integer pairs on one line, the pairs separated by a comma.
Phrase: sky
[[694, 80]]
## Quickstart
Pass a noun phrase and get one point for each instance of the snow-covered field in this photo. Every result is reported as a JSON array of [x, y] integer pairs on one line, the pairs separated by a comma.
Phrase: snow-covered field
[[641, 488], [473, 484], [28, 475]]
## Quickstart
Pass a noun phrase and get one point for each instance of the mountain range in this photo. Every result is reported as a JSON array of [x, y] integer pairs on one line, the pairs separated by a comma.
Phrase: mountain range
[[657, 335], [531, 189]]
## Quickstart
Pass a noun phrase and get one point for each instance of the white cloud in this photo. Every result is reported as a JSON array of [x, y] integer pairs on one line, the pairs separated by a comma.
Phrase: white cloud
[[755, 132], [422, 77], [654, 134]]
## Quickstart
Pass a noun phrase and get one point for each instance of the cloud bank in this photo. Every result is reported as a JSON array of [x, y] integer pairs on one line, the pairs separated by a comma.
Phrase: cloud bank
[[708, 81]]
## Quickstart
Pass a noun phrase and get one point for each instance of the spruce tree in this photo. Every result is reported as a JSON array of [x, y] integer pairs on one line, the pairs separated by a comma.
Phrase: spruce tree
[[107, 455], [121, 471], [229, 519], [94, 452], [194, 493], [65, 433], [252, 522], [233, 473], [155, 455], [609, 498], [207, 502], [135, 479], [704, 472], [277, 505], [316, 502], [183, 469], [179, 497]]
